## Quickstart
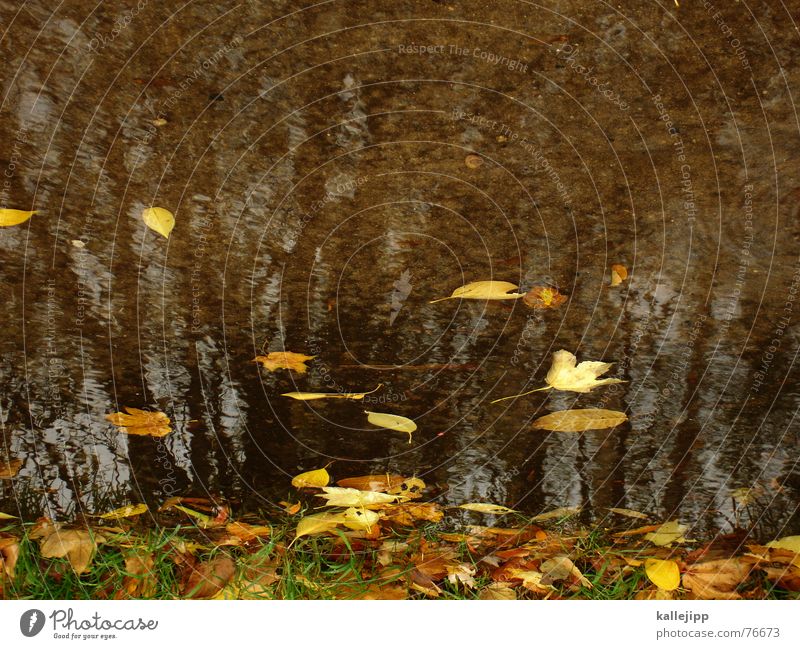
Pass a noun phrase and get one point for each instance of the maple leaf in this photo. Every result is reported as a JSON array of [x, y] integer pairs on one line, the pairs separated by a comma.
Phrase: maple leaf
[[141, 422], [284, 361]]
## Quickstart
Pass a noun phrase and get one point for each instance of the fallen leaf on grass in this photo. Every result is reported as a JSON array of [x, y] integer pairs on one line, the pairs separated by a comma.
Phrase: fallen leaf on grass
[[141, 422], [716, 579], [544, 297], [14, 217], [246, 532], [618, 274], [317, 524], [392, 422], [562, 568], [580, 420], [207, 579], [487, 508], [668, 533], [314, 479], [310, 396], [532, 581], [501, 590], [407, 513], [290, 508], [159, 220], [125, 512], [346, 497], [663, 573], [78, 545], [9, 468], [489, 290], [565, 375], [561, 512], [9, 554], [140, 580], [284, 361], [359, 518], [203, 520]]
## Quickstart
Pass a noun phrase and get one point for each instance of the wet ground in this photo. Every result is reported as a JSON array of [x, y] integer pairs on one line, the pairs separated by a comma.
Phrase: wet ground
[[314, 158]]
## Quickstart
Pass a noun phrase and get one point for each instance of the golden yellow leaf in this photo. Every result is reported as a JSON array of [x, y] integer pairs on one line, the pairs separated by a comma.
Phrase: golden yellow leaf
[[408, 513], [125, 512], [531, 580], [618, 274], [141, 422], [5, 517], [565, 375], [580, 420], [290, 508], [9, 468], [663, 573], [315, 478], [498, 590], [392, 422], [247, 532], [716, 579], [489, 290], [284, 361], [14, 217], [346, 497], [358, 518], [544, 297], [77, 545], [310, 396], [668, 533], [791, 543], [159, 219], [630, 513], [203, 520], [317, 524], [487, 508], [561, 512]]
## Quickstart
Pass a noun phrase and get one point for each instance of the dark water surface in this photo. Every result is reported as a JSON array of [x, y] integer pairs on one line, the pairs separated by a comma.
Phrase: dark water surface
[[314, 158]]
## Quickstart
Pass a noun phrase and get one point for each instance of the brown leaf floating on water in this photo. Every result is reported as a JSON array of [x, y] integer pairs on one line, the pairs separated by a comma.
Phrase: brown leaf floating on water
[[141, 422], [544, 297]]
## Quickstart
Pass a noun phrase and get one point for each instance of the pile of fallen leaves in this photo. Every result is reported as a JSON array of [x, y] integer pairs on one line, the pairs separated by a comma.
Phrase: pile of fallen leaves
[[373, 537]]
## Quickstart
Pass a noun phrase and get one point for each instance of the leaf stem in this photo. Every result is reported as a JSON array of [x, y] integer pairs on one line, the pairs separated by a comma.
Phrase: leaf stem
[[514, 396]]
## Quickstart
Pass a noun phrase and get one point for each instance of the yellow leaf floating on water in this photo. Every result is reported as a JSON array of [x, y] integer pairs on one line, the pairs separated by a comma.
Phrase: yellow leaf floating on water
[[346, 497], [284, 361], [791, 543], [392, 422], [487, 508], [565, 375], [159, 219], [141, 422], [489, 290], [580, 420], [630, 513], [310, 396], [668, 533], [618, 274], [315, 478], [14, 217], [663, 573], [125, 512]]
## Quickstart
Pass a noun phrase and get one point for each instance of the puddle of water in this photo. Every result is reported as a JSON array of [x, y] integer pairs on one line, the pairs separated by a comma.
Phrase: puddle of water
[[316, 167]]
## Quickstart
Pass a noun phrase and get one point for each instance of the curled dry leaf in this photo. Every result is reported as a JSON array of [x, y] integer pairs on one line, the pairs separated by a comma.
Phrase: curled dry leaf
[[487, 508], [9, 468], [313, 479], [207, 579], [716, 579], [141, 422], [663, 573], [473, 161], [140, 580], [9, 554], [618, 274], [392, 422], [159, 220], [580, 420], [544, 297], [666, 534], [284, 361], [489, 290], [311, 396], [125, 512], [564, 374], [14, 217]]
